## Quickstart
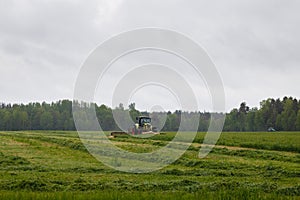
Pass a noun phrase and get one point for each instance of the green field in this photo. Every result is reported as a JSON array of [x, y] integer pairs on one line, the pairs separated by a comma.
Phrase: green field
[[55, 165]]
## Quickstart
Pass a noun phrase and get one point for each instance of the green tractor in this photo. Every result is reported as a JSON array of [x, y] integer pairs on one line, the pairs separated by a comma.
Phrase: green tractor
[[142, 126]]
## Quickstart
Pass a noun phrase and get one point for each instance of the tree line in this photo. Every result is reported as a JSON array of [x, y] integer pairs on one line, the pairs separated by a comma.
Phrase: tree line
[[282, 115]]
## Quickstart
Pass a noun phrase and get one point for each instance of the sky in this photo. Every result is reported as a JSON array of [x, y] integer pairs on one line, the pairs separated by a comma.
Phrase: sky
[[254, 44]]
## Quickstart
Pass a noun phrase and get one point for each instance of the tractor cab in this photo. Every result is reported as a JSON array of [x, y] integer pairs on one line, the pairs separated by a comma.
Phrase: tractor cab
[[143, 120]]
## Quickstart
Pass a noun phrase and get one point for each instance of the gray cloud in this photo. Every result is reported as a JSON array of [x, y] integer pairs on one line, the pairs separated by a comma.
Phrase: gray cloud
[[254, 44]]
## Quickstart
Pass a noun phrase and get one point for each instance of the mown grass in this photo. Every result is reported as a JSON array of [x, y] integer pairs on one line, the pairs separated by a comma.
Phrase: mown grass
[[56, 165], [125, 195], [280, 141]]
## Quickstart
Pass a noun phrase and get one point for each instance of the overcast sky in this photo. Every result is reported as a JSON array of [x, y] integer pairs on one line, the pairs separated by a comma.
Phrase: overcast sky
[[255, 44]]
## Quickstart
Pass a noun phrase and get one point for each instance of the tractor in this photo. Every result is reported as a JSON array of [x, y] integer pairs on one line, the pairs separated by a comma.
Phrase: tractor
[[141, 126]]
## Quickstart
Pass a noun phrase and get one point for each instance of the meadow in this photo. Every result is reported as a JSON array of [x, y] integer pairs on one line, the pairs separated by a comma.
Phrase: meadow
[[56, 165]]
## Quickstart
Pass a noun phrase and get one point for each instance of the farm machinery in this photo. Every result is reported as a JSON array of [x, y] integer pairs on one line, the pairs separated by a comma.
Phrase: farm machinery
[[141, 126]]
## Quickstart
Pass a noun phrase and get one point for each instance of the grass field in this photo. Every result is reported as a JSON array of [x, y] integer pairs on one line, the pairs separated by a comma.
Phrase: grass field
[[55, 165]]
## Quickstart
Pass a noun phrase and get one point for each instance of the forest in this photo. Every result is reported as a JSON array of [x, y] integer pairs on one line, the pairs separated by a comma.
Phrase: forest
[[280, 114]]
